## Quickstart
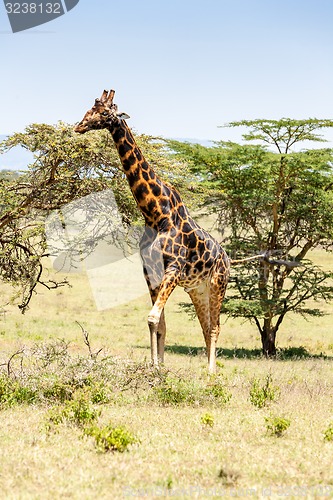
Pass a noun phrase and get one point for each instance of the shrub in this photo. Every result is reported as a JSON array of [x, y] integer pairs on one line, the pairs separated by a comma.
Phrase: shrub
[[276, 426], [207, 420], [99, 393], [22, 394], [261, 395], [15, 392], [5, 389], [78, 412], [218, 391], [58, 391], [111, 438], [174, 391], [328, 434]]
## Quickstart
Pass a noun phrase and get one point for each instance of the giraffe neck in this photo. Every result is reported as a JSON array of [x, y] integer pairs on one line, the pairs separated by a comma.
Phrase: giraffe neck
[[155, 199]]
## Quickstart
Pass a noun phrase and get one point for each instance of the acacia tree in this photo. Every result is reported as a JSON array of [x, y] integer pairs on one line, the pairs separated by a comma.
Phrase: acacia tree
[[271, 198], [66, 167]]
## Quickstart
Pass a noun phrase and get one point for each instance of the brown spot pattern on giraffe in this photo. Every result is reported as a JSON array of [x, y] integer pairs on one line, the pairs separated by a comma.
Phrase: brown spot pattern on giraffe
[[191, 257]]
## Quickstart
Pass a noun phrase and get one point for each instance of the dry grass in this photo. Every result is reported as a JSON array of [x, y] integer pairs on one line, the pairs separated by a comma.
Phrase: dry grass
[[177, 455]]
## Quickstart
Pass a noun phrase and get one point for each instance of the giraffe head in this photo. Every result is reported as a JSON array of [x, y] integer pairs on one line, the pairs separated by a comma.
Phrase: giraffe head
[[101, 115]]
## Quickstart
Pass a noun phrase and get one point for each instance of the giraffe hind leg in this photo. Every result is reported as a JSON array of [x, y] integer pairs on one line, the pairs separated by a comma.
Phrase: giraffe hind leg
[[200, 300], [207, 300], [153, 343], [216, 296]]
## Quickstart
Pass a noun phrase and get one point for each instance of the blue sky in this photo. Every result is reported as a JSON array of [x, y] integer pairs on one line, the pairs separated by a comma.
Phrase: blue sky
[[180, 68]]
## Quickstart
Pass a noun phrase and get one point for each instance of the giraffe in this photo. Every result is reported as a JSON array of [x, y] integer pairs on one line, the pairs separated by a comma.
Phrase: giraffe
[[191, 257]]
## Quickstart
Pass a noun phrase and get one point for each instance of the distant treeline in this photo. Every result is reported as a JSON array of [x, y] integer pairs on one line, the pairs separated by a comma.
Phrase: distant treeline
[[9, 174]]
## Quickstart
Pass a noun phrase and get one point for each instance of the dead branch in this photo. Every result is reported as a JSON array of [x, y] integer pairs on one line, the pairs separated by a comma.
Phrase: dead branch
[[86, 340], [9, 369]]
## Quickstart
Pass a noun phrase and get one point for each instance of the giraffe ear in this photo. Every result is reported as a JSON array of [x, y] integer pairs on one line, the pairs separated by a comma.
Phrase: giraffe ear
[[123, 116]]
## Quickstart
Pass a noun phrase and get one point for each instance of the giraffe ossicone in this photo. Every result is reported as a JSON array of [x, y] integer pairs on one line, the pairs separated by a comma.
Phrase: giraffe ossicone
[[189, 256]]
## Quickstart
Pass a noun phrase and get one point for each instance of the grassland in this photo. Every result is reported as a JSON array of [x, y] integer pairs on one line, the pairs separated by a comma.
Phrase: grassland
[[197, 436]]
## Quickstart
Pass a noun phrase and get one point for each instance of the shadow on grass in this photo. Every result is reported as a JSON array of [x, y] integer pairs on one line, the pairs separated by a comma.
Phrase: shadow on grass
[[283, 354]]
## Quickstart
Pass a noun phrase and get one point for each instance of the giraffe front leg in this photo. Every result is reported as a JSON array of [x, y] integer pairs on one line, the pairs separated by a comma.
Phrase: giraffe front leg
[[157, 330], [157, 339], [153, 326], [156, 320], [161, 334]]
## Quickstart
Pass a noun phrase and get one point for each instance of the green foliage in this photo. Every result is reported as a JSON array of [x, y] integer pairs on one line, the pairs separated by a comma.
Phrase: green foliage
[[262, 394], [78, 412], [217, 390], [305, 282], [275, 198], [110, 438], [328, 434], [66, 167], [48, 373], [57, 391], [276, 426], [175, 391], [99, 393], [5, 389], [13, 392], [283, 133], [207, 420]]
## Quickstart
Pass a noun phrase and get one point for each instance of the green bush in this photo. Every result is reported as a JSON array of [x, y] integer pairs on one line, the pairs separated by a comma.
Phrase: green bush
[[5, 389], [77, 412], [217, 390], [293, 353], [15, 392], [207, 420], [276, 426], [23, 394], [261, 395], [328, 434], [172, 390], [111, 438], [175, 391], [99, 393], [58, 391]]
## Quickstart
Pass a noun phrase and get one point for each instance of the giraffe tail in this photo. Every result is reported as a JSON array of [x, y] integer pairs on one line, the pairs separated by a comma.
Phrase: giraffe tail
[[265, 258], [234, 262]]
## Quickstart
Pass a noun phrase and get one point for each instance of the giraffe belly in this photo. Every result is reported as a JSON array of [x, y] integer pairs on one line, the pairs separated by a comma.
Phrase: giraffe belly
[[194, 276], [193, 280]]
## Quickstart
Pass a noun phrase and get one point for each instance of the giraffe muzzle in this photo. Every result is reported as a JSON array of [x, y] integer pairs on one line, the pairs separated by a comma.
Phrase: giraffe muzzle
[[80, 128]]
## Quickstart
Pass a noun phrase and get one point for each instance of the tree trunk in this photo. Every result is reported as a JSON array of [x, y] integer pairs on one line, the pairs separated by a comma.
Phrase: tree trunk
[[268, 335]]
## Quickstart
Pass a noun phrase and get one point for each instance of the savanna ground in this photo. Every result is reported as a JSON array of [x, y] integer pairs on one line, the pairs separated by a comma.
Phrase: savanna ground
[[259, 428]]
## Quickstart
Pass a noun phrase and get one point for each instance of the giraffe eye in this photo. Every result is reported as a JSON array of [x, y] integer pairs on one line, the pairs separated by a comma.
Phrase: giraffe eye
[[105, 113]]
